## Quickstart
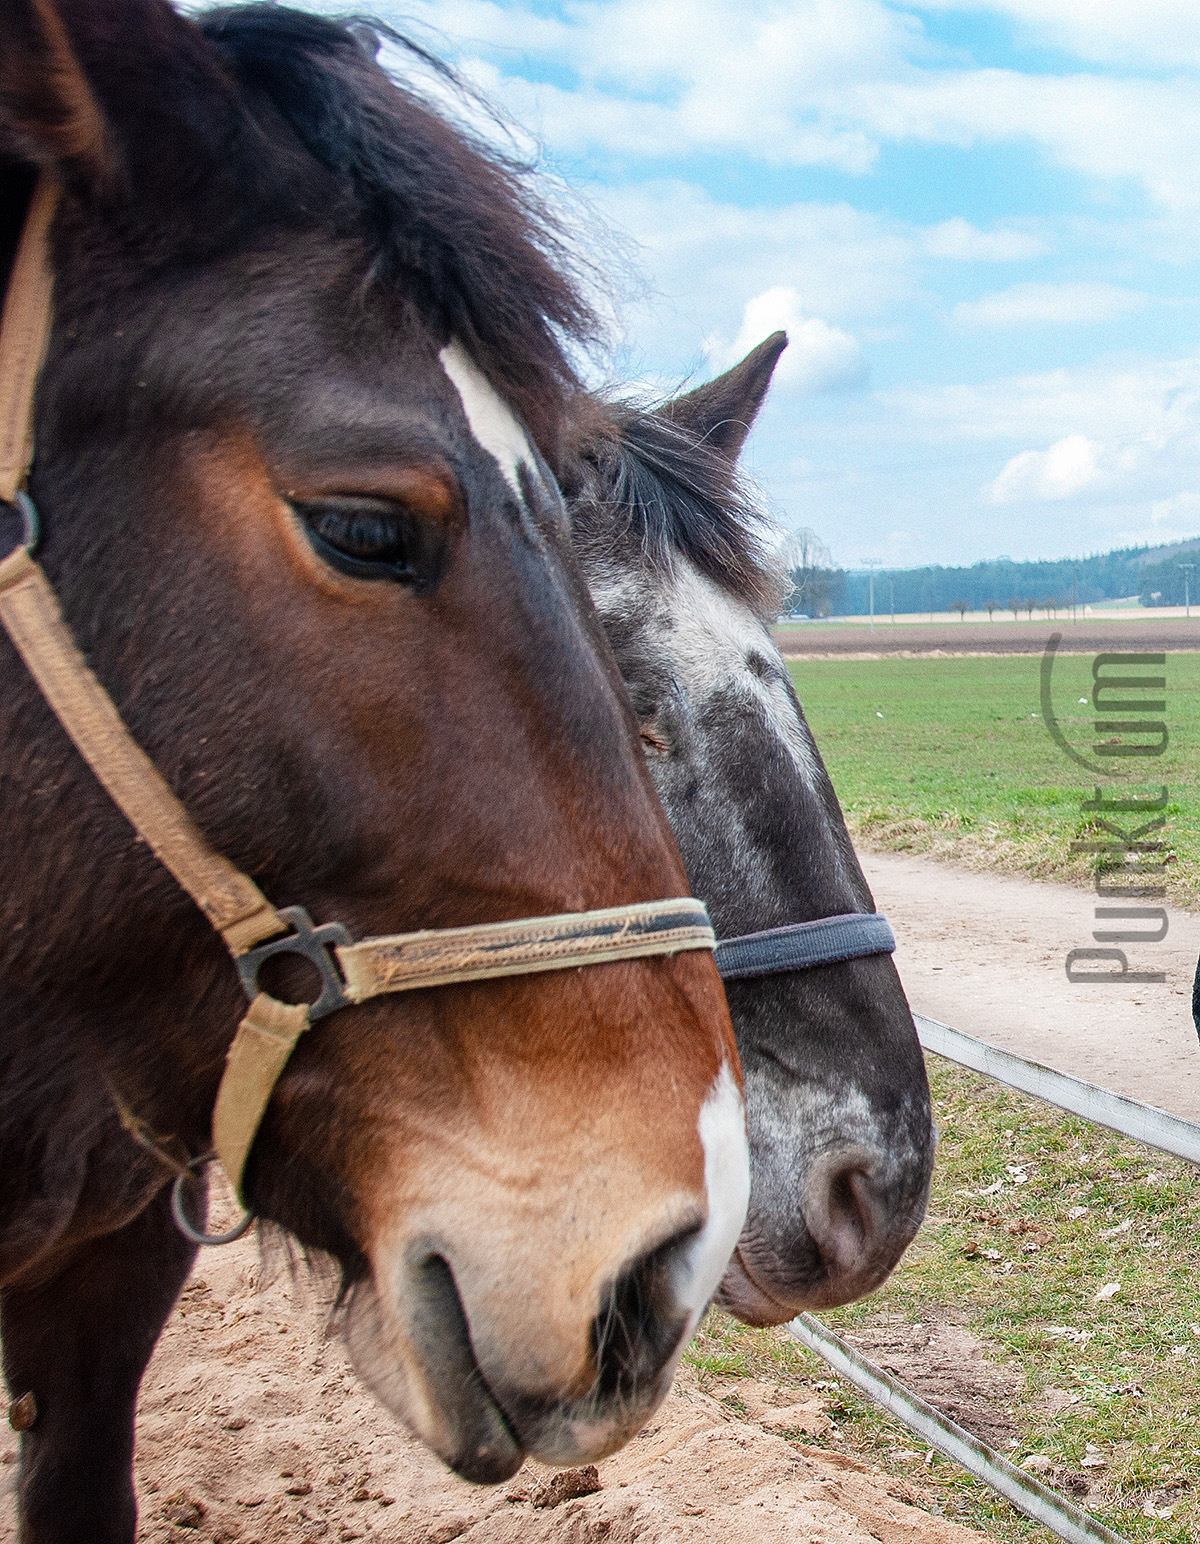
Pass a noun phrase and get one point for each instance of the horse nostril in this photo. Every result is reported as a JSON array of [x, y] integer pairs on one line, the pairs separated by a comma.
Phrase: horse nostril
[[641, 1320], [844, 1211]]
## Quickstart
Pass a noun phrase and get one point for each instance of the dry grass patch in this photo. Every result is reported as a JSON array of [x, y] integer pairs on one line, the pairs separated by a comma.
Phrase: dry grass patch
[[1051, 1303]]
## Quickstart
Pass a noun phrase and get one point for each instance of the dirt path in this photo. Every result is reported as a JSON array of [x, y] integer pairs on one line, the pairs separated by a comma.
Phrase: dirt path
[[252, 1430], [986, 953]]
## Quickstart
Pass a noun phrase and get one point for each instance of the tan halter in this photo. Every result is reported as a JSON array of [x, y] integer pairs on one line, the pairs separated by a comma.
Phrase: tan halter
[[232, 902]]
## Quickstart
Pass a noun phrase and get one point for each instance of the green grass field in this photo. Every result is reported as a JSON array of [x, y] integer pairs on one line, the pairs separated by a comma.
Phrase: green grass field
[[1075, 1256], [1072, 1254], [951, 755]]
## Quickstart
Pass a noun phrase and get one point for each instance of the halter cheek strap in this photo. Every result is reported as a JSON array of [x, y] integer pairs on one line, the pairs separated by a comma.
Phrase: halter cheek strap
[[232, 902], [24, 334]]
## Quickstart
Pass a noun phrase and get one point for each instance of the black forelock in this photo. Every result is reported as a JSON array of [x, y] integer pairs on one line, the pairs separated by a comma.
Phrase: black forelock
[[644, 479], [457, 222]]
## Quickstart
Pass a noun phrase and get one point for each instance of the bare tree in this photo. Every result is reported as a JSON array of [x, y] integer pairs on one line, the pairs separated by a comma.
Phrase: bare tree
[[989, 606], [809, 567], [1028, 606], [1014, 605], [961, 606]]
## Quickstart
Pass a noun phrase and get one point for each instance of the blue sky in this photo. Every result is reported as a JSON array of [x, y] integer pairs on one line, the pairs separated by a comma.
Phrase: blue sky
[[980, 225]]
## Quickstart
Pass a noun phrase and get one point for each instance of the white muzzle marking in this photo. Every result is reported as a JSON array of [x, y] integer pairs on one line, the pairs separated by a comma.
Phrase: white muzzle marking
[[722, 1127]]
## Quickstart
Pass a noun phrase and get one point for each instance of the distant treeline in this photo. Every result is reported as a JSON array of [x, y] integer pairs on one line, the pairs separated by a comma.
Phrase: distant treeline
[[1162, 584], [1104, 576]]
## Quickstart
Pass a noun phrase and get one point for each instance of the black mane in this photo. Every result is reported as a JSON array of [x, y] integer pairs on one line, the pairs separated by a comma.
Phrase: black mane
[[453, 220], [640, 478]]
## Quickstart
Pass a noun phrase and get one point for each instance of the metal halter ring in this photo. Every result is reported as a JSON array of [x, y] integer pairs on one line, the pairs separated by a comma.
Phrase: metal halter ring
[[182, 1221], [31, 533], [312, 944], [31, 525]]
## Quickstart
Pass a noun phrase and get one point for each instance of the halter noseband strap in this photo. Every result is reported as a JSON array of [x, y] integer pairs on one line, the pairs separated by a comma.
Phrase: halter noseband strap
[[232, 902], [803, 945]]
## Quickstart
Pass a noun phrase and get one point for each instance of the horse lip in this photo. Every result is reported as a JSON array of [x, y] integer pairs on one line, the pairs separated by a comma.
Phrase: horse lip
[[489, 1462], [444, 1398], [413, 1348], [487, 1448], [743, 1295]]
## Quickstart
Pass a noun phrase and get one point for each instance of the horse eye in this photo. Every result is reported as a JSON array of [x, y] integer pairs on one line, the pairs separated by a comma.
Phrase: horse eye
[[654, 740], [366, 538]]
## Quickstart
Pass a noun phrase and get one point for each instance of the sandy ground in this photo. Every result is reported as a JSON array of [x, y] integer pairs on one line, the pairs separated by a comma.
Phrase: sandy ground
[[986, 953], [252, 1430]]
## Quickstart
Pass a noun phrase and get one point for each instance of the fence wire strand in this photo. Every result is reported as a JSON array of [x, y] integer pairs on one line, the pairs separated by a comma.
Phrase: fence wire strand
[[1020, 1489], [1145, 1124]]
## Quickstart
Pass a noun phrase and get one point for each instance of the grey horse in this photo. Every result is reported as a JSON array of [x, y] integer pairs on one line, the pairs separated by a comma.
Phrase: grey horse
[[841, 1135]]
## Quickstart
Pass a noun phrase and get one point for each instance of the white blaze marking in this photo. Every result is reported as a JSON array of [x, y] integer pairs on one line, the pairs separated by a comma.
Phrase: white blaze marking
[[722, 1128], [492, 422], [712, 636]]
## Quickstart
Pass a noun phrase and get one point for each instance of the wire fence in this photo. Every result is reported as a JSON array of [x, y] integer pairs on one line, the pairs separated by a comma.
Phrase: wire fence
[[1152, 1127]]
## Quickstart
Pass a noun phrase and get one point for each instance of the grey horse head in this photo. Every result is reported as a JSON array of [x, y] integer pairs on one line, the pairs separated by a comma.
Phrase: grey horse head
[[841, 1136]]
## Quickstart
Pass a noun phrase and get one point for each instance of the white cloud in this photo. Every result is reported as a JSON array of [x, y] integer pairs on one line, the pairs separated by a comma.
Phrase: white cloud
[[818, 357], [847, 267], [840, 260], [826, 82], [671, 76], [1037, 465], [822, 358], [1056, 459], [1175, 513], [591, 118], [1150, 403], [1108, 129], [962, 242], [1156, 32], [1068, 467], [1047, 304]]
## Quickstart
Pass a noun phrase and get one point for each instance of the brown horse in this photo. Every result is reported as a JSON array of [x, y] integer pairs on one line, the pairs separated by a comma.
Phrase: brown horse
[[298, 529], [837, 1102]]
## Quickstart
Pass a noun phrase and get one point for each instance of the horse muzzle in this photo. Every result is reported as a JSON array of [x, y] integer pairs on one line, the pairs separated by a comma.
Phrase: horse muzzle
[[850, 1221], [484, 1378], [542, 1310]]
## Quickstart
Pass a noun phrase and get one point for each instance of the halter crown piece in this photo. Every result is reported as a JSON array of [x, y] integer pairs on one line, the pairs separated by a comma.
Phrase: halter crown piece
[[250, 926]]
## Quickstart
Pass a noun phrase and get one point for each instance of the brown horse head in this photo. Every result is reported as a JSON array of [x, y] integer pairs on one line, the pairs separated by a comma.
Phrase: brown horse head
[[837, 1103], [307, 360]]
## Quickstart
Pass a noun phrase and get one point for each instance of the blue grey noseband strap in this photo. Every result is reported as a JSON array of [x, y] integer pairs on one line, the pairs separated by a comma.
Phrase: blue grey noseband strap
[[804, 944]]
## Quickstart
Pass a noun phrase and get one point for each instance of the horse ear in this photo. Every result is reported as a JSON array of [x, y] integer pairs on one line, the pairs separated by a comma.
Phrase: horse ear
[[49, 114], [722, 410], [125, 99]]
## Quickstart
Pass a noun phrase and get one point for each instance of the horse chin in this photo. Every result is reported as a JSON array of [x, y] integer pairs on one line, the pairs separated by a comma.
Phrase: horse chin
[[761, 1296], [565, 1435], [415, 1354], [777, 1273], [742, 1296]]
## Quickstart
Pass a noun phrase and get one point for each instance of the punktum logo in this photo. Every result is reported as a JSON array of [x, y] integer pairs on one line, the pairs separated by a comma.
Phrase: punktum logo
[[1121, 820]]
